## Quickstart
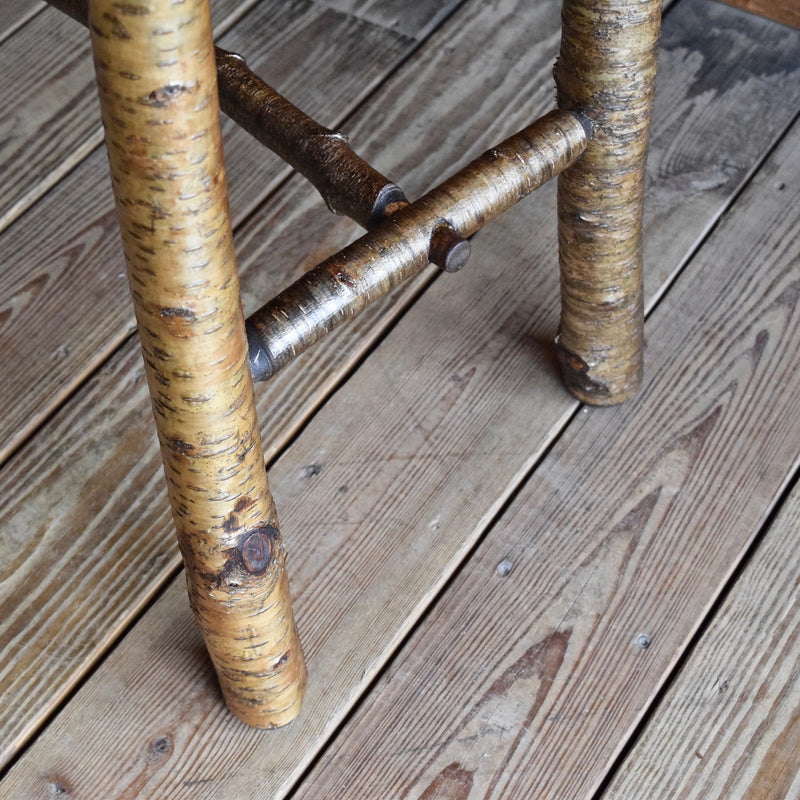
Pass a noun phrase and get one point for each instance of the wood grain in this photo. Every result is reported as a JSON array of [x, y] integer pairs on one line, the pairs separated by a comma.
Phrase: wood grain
[[50, 121], [15, 13], [413, 19], [63, 257], [546, 650], [784, 11], [714, 49], [729, 725], [438, 412]]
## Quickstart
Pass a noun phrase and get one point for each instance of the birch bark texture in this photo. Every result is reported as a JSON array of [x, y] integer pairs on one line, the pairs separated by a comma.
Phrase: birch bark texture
[[156, 80], [343, 285], [606, 71]]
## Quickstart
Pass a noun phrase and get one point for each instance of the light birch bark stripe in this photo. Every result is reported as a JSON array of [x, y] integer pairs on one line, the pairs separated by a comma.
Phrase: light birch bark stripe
[[606, 70], [158, 96]]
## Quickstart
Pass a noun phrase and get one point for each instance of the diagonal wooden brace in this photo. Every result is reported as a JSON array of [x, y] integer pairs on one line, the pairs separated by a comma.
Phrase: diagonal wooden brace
[[347, 183]]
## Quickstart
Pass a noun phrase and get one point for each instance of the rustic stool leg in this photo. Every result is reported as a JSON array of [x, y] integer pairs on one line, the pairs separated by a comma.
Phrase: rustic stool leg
[[157, 85], [606, 71]]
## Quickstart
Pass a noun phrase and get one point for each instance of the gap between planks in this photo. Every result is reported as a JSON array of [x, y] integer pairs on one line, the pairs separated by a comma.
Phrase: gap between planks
[[14, 14], [51, 121], [728, 725], [310, 470], [707, 618]]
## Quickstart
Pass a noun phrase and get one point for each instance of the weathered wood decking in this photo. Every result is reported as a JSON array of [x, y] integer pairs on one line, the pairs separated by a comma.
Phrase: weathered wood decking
[[500, 593]]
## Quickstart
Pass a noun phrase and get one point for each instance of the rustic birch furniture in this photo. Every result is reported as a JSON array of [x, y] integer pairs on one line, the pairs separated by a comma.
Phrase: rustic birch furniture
[[158, 74], [476, 559]]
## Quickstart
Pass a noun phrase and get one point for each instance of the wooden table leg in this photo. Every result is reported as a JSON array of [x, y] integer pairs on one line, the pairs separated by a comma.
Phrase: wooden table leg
[[606, 71], [157, 84]]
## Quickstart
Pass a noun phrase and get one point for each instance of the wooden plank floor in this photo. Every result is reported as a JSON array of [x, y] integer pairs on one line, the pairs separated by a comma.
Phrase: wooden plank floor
[[523, 598]]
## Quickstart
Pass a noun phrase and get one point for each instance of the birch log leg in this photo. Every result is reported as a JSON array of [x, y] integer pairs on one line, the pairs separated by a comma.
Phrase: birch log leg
[[157, 86], [605, 71]]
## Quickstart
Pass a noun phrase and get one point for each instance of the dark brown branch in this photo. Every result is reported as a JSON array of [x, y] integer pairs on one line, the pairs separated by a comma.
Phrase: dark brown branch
[[348, 184], [343, 285]]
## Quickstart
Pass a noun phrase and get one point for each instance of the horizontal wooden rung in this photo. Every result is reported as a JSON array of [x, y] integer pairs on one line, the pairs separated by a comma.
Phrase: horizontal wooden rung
[[343, 285]]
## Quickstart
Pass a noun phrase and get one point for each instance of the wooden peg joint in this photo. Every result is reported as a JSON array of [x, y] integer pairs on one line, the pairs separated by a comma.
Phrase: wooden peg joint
[[449, 250]]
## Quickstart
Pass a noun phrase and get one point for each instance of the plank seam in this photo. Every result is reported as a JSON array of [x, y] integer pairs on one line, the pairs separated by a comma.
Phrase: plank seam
[[90, 668], [93, 142], [722, 212], [21, 23], [706, 620], [445, 586]]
